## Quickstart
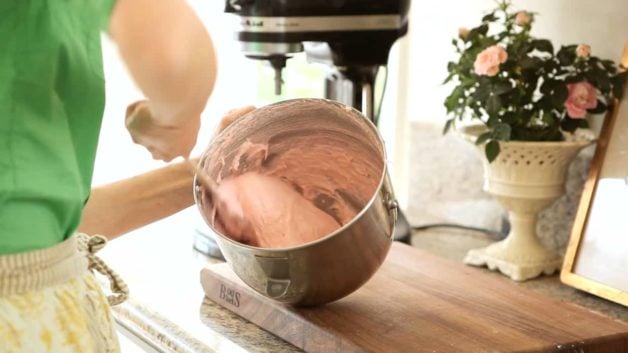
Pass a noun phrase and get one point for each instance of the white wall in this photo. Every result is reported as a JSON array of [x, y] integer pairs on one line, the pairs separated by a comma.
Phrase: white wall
[[603, 24]]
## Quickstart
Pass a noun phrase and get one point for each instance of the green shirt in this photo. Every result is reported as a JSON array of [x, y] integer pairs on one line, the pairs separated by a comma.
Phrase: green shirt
[[51, 106]]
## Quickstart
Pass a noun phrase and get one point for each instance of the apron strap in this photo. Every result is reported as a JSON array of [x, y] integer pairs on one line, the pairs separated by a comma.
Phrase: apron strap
[[91, 245]]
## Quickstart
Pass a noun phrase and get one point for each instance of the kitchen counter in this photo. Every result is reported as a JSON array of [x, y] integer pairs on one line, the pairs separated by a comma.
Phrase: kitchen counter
[[167, 309]]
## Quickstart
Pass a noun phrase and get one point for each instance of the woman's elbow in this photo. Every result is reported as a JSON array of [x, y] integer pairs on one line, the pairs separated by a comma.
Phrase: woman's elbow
[[187, 77]]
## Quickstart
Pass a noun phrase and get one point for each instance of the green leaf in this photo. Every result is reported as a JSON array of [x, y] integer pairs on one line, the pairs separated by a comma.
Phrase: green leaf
[[501, 131], [560, 95], [568, 124], [489, 18], [448, 125], [543, 45], [609, 64], [619, 83], [538, 133], [477, 32], [574, 79], [526, 94], [548, 118], [493, 105], [546, 103], [483, 138], [492, 150], [511, 117], [599, 109], [448, 78], [530, 63], [453, 101], [502, 87], [483, 29], [492, 120], [567, 55], [482, 92], [548, 86], [451, 66], [599, 78]]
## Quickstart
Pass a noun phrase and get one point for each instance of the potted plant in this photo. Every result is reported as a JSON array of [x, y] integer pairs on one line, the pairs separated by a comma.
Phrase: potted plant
[[530, 102]]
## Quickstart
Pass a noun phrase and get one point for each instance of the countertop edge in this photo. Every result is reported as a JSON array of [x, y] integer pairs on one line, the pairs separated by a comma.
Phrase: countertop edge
[[157, 330]]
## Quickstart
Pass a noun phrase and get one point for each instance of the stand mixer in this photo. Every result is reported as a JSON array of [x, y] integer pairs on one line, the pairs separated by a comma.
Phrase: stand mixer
[[353, 37]]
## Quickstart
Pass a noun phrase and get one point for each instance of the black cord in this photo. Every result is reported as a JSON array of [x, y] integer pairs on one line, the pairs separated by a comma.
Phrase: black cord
[[492, 233]]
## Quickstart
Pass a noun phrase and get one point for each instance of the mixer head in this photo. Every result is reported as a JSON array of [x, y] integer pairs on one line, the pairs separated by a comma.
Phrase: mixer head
[[359, 33]]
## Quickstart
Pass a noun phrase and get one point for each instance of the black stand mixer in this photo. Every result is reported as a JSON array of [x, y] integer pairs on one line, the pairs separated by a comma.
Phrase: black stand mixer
[[353, 37]]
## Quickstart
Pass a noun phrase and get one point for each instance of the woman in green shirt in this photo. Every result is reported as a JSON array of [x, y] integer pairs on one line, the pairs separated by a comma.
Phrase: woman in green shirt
[[51, 105]]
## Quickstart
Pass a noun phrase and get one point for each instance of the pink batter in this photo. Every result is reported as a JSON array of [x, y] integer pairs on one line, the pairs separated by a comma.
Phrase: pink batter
[[279, 216], [297, 176]]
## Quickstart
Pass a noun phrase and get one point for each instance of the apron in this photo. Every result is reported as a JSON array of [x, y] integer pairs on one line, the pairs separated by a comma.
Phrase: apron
[[50, 300]]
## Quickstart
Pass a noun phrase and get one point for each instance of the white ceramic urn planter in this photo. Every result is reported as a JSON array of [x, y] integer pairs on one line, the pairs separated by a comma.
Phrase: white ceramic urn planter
[[525, 178]]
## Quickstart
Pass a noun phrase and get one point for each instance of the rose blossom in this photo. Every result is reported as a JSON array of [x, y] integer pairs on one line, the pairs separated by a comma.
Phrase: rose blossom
[[463, 32], [522, 18], [583, 50], [582, 96], [487, 62]]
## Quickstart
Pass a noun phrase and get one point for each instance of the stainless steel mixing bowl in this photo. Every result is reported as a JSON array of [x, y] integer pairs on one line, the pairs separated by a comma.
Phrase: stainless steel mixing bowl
[[339, 263]]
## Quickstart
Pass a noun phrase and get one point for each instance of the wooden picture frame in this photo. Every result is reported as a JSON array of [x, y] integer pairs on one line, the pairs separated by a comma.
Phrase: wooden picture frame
[[596, 260]]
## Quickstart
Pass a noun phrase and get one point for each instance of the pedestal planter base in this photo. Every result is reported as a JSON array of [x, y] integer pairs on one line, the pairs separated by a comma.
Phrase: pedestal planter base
[[525, 178], [519, 266]]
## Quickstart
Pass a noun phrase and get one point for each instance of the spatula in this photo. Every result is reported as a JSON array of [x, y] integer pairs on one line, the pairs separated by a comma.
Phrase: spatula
[[235, 225]]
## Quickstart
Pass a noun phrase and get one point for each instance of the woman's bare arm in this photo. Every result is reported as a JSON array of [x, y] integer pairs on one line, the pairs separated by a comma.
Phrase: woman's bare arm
[[120, 207], [169, 55]]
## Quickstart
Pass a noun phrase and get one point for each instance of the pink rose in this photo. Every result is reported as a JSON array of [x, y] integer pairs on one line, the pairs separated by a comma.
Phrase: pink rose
[[582, 96], [583, 51], [463, 32], [488, 61], [522, 18]]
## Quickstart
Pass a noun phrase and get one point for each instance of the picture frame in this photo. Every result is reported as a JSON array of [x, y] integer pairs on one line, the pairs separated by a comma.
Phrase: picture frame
[[596, 260]]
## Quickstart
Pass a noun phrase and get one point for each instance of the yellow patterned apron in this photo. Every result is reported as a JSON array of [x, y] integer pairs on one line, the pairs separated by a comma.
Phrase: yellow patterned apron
[[50, 301]]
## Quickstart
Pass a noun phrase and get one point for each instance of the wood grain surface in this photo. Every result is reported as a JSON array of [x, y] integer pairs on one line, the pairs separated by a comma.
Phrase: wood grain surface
[[418, 302]]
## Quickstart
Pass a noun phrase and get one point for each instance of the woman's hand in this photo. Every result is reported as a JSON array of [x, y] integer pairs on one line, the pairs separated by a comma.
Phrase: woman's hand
[[169, 142], [128, 204], [162, 141]]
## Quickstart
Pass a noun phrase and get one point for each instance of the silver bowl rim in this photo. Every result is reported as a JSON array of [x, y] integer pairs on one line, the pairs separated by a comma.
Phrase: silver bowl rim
[[365, 209]]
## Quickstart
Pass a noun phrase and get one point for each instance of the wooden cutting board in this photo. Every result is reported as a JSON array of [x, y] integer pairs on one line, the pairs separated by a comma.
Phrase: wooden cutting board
[[418, 302]]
